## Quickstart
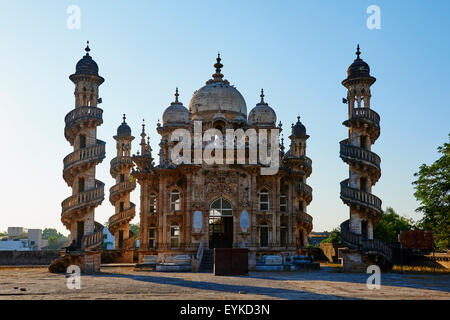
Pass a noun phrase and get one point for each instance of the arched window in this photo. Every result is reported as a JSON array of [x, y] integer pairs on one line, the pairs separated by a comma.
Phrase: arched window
[[152, 237], [175, 200], [283, 203], [174, 235], [152, 204], [264, 200], [263, 235]]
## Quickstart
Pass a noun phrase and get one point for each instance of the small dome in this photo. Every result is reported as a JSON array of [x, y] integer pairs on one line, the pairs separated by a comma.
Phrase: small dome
[[124, 130], [358, 68], [87, 65], [298, 129], [176, 113], [217, 95], [262, 114]]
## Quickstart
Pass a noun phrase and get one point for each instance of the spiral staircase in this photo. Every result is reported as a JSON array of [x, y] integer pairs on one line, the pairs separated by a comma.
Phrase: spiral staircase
[[364, 167], [119, 194], [79, 163], [79, 166]]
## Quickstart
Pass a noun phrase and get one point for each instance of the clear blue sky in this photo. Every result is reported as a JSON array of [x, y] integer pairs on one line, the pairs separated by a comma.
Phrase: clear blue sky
[[298, 51]]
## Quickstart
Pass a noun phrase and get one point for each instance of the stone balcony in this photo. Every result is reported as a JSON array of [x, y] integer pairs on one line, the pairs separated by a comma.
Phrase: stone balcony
[[304, 190], [78, 116], [122, 187], [90, 198], [124, 216], [361, 198], [93, 240], [80, 158], [365, 114], [352, 153], [117, 162]]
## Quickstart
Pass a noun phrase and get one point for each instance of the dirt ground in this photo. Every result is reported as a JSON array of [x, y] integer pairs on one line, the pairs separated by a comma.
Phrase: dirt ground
[[125, 283]]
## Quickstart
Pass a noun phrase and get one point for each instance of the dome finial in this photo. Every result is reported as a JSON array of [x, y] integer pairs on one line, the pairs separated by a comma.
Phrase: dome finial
[[87, 49], [298, 119], [124, 118], [218, 76], [358, 52], [262, 96], [176, 95]]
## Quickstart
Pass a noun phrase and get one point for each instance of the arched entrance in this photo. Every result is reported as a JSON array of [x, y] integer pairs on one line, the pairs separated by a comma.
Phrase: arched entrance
[[220, 224]]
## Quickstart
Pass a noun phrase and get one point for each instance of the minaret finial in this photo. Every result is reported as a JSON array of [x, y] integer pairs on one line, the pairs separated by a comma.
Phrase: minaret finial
[[176, 95], [124, 118], [358, 52], [262, 96], [143, 126], [87, 49]]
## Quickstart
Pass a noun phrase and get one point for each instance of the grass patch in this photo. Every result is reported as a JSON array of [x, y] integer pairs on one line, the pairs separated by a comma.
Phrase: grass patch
[[420, 269]]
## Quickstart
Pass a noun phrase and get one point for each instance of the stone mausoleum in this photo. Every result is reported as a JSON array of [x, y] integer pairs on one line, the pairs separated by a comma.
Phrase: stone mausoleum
[[185, 205]]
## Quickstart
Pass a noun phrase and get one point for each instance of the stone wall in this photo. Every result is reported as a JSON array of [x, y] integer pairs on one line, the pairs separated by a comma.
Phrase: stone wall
[[43, 257], [117, 256], [330, 251]]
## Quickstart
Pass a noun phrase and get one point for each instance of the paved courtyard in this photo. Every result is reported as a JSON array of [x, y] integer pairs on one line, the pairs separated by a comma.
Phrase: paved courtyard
[[125, 283]]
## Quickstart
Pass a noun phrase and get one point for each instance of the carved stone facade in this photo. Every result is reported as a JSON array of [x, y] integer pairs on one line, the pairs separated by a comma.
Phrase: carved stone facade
[[222, 205]]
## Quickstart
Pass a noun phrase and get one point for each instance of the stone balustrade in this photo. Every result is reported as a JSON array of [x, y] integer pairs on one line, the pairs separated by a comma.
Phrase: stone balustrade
[[120, 160], [82, 114], [125, 186], [90, 197], [96, 152], [347, 150], [127, 214], [365, 113], [95, 239], [360, 197], [303, 188]]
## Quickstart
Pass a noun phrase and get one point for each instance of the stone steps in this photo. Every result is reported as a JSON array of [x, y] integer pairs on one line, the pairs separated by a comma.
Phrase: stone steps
[[207, 264]]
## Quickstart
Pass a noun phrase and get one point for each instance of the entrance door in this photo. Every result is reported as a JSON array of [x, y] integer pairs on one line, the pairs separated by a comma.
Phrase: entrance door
[[121, 239], [364, 229], [80, 232], [221, 224]]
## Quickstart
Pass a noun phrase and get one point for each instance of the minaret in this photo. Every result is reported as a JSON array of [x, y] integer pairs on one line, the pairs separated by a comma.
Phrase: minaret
[[119, 194], [364, 165], [301, 168], [79, 166]]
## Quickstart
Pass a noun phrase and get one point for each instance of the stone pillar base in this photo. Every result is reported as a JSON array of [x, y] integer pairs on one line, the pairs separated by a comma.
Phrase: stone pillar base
[[91, 262], [353, 260]]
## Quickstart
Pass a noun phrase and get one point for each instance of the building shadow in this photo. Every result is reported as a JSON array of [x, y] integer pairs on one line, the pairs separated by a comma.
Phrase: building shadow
[[228, 288], [437, 282]]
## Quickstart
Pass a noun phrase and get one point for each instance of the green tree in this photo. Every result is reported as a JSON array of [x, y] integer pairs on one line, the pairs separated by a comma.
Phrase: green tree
[[390, 226], [433, 192], [135, 229], [334, 237], [55, 239], [53, 243]]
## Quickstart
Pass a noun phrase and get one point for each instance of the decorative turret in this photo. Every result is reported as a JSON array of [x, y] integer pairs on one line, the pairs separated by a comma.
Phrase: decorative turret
[[364, 165], [300, 167], [119, 194], [79, 166], [144, 159]]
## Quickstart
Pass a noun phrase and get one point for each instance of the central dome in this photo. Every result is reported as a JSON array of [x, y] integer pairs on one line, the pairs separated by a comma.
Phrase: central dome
[[218, 95]]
